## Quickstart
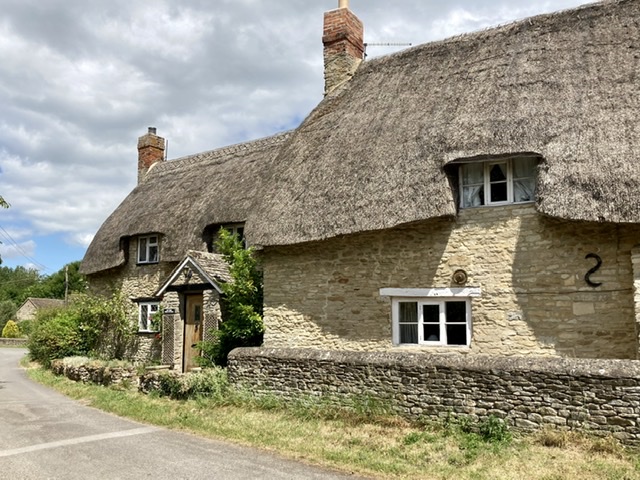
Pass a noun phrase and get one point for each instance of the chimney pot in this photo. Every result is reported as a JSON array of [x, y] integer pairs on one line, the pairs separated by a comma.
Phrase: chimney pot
[[152, 130], [343, 4]]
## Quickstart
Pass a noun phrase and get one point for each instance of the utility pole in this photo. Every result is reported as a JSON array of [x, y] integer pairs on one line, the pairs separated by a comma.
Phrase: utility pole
[[66, 285]]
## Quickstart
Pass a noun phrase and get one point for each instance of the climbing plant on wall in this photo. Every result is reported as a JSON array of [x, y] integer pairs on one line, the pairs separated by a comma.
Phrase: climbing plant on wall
[[242, 302]]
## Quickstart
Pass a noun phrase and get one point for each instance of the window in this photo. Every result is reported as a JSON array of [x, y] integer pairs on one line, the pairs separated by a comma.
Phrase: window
[[497, 182], [236, 229], [211, 233], [146, 321], [148, 249], [431, 317]]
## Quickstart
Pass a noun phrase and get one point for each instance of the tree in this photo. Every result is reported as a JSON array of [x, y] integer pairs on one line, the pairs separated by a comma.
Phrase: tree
[[54, 286], [242, 302], [15, 283], [8, 311]]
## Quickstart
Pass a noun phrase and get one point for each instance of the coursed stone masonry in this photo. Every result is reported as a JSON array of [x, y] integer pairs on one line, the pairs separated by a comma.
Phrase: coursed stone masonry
[[137, 281], [530, 270], [600, 396]]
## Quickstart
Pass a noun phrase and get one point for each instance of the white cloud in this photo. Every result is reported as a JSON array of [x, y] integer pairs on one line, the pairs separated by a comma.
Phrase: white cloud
[[82, 79], [80, 239], [17, 250]]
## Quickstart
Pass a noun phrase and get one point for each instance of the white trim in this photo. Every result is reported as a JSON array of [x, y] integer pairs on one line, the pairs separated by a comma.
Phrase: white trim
[[431, 292], [486, 169], [421, 302], [150, 313], [147, 249]]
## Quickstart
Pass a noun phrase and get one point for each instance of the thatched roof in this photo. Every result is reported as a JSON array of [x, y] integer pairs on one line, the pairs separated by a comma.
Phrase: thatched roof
[[178, 199], [372, 155]]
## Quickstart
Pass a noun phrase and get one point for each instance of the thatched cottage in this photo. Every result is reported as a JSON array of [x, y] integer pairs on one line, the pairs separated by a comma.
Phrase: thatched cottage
[[477, 195], [157, 247]]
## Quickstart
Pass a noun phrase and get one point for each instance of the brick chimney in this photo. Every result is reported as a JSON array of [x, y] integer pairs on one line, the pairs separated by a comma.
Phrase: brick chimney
[[343, 40], [150, 151]]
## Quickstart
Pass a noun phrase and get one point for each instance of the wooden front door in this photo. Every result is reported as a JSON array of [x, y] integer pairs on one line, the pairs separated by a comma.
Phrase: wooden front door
[[194, 324]]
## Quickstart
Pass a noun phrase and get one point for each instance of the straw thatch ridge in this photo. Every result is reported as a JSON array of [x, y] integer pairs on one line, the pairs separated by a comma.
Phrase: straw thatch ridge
[[178, 199], [373, 154]]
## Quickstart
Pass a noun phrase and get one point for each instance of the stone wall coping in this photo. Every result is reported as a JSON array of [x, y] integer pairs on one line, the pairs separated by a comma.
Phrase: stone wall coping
[[15, 342], [575, 367]]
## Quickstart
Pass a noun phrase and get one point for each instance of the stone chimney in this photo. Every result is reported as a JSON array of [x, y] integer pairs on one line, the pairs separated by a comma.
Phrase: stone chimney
[[150, 151], [343, 40]]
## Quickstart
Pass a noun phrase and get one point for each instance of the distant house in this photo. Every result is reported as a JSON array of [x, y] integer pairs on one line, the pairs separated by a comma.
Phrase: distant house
[[477, 195], [32, 306]]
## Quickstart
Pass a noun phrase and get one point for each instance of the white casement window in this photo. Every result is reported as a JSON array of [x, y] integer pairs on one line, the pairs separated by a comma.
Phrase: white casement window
[[145, 316], [148, 249], [498, 182], [431, 317]]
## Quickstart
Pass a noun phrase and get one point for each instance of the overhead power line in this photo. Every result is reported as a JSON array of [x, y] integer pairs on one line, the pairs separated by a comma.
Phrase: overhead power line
[[20, 250]]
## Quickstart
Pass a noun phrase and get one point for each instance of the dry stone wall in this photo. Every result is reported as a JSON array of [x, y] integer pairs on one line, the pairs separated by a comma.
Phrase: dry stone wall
[[529, 268], [599, 396]]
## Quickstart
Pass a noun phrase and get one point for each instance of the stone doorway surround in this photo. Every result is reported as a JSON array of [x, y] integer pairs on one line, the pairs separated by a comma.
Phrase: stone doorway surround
[[199, 274]]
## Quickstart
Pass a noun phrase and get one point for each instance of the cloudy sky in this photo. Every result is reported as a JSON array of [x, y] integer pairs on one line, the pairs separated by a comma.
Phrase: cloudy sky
[[80, 80]]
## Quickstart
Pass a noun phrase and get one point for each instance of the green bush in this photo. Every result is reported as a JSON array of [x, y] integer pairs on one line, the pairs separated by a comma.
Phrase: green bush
[[8, 311], [57, 337], [94, 326], [242, 324], [494, 429], [11, 330], [210, 382], [25, 327]]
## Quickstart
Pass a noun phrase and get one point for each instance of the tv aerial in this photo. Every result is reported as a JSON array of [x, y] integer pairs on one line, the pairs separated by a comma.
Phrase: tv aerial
[[383, 44]]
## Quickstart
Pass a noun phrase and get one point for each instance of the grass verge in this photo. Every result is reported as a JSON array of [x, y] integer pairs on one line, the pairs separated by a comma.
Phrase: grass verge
[[363, 439]]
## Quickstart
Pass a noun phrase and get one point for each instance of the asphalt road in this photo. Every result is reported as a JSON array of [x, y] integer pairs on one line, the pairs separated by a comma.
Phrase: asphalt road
[[45, 435]]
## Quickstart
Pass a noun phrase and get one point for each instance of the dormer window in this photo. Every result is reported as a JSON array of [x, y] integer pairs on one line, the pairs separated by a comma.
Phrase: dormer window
[[497, 182], [148, 249], [211, 233], [236, 229]]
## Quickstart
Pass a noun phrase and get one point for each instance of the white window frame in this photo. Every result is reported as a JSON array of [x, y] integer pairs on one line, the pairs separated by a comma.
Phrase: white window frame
[[145, 246], [487, 181], [151, 308], [430, 296]]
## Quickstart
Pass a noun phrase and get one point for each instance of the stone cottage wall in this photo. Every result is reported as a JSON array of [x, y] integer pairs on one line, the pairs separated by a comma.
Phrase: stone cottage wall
[[26, 312], [530, 270], [135, 281], [601, 396]]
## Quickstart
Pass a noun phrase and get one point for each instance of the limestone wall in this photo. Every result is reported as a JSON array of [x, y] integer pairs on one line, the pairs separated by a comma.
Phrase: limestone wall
[[530, 270], [142, 281], [135, 282], [601, 396], [26, 312], [635, 261]]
